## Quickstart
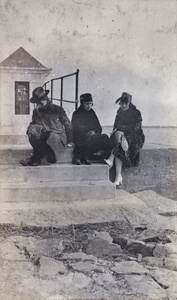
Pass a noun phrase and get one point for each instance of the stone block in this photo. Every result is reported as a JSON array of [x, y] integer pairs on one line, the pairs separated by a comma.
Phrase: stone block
[[171, 263], [165, 249], [101, 248], [87, 267], [153, 261], [51, 267], [138, 247], [129, 267]]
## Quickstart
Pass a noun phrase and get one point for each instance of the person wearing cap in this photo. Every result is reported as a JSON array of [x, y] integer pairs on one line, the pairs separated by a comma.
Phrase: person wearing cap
[[50, 131], [87, 132], [127, 137]]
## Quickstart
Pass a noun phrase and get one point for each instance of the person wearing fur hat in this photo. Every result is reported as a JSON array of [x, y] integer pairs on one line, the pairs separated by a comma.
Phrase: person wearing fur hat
[[50, 131], [127, 137], [87, 135]]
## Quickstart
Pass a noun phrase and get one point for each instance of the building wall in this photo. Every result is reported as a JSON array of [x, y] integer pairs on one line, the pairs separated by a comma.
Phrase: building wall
[[118, 45], [9, 121]]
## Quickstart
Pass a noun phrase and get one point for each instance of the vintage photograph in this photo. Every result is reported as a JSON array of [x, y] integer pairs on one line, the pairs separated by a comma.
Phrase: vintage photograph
[[88, 150]]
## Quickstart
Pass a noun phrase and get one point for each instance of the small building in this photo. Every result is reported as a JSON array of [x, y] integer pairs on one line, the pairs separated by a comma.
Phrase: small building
[[20, 73]]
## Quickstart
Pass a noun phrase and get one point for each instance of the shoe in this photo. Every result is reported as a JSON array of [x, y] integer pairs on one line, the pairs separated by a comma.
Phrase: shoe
[[25, 162], [35, 163], [118, 181], [51, 159], [76, 161], [87, 162], [108, 163]]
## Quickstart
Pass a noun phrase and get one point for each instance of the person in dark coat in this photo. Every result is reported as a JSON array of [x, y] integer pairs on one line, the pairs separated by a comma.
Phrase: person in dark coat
[[87, 135], [127, 136], [50, 131]]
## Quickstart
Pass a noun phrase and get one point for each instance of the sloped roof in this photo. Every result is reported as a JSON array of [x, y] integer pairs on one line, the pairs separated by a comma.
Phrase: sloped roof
[[21, 59]]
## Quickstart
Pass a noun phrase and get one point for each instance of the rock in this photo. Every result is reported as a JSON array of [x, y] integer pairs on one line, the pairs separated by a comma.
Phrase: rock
[[138, 247], [167, 279], [71, 286], [143, 287], [170, 263], [121, 241], [153, 261], [157, 202], [78, 256], [102, 235], [39, 247], [165, 249], [154, 236], [129, 267], [101, 248], [51, 267], [9, 251], [87, 267]]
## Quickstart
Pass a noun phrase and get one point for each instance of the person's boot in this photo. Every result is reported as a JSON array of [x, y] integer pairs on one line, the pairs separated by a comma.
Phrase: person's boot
[[86, 161]]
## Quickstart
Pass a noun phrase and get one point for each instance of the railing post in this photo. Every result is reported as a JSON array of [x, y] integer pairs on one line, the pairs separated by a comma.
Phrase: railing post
[[61, 92], [76, 91]]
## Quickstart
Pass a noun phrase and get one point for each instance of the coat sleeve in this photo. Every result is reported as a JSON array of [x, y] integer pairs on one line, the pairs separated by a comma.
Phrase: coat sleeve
[[67, 125], [33, 122]]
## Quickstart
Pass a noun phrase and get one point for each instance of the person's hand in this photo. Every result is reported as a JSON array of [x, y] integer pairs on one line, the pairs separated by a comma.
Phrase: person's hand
[[70, 145], [91, 132]]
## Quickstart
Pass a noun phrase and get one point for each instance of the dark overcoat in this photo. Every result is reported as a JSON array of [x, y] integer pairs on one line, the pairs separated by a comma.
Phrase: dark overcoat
[[53, 119], [129, 122], [83, 122]]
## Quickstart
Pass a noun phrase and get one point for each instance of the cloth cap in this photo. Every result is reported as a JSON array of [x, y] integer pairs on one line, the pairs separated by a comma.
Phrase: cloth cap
[[87, 97], [38, 94], [124, 97]]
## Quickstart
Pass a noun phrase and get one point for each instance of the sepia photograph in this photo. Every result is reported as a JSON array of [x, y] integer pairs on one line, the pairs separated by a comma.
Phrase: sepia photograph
[[88, 150]]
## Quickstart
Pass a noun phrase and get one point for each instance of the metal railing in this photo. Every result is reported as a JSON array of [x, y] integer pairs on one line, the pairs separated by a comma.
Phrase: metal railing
[[51, 82]]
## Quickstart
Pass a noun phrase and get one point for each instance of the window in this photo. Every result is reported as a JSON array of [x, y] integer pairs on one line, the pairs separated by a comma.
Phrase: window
[[21, 98]]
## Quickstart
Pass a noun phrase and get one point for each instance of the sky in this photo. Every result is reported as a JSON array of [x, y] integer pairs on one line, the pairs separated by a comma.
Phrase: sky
[[118, 45]]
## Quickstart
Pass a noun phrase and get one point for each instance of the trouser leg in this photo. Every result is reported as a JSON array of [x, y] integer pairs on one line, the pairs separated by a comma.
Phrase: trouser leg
[[39, 145]]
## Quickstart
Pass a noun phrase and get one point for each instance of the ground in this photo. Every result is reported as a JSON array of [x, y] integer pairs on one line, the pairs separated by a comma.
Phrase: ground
[[109, 261], [157, 172]]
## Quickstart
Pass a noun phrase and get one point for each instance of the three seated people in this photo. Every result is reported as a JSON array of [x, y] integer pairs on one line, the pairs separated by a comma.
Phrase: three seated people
[[51, 132]]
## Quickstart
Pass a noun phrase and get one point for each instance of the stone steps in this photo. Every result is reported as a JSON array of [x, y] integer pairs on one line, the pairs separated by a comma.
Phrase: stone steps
[[62, 181], [53, 173], [12, 154], [56, 191], [123, 207]]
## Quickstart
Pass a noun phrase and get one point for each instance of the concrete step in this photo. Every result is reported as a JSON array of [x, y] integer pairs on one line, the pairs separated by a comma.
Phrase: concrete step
[[123, 207], [13, 139], [56, 191], [10, 154], [53, 173]]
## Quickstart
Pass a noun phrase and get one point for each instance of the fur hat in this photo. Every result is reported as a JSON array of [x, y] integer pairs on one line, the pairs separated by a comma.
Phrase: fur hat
[[124, 97], [38, 94], [87, 97]]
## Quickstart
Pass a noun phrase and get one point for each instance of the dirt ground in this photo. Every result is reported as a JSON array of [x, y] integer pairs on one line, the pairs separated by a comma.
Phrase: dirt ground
[[157, 171]]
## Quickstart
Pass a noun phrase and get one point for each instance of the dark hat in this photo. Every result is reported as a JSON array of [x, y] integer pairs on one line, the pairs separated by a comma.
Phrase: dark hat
[[87, 97], [38, 94], [125, 97]]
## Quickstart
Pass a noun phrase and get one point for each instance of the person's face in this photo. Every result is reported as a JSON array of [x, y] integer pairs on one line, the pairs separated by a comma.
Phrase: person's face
[[87, 105], [124, 105], [42, 103]]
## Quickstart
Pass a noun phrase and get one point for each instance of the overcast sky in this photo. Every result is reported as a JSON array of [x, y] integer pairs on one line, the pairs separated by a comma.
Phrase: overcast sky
[[118, 45]]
